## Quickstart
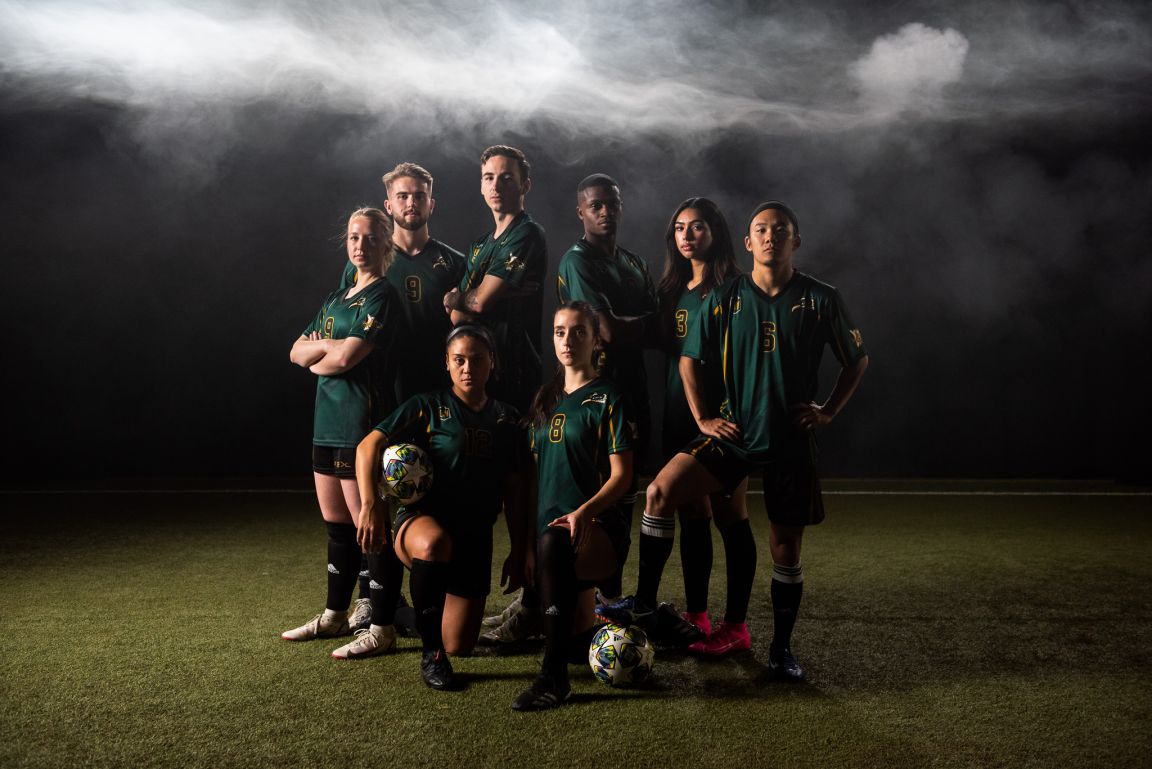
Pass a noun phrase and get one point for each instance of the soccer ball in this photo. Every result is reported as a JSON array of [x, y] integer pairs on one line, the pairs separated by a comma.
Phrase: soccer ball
[[620, 656], [407, 472]]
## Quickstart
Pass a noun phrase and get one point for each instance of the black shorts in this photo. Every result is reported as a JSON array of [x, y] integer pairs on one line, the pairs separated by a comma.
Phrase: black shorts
[[470, 570], [334, 460], [792, 494]]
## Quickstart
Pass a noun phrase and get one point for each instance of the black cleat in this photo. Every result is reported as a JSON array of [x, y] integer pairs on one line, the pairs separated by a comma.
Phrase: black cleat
[[437, 671], [545, 693], [669, 627], [782, 666]]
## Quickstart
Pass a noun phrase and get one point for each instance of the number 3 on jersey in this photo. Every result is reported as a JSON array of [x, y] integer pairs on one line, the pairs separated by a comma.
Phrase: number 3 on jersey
[[767, 336], [681, 323], [556, 430]]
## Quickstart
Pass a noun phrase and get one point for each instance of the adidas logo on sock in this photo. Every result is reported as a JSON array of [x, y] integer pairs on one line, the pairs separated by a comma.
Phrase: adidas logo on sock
[[552, 611], [332, 569], [374, 585]]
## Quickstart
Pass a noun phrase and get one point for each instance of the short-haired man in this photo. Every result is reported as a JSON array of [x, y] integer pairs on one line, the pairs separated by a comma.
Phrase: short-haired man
[[503, 280], [769, 328], [616, 283], [422, 270]]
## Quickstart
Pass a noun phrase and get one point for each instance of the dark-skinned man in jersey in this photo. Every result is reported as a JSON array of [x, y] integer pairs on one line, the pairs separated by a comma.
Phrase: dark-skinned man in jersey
[[615, 282], [768, 330]]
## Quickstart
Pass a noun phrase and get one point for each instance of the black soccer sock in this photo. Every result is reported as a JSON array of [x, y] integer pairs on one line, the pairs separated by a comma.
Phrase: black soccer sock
[[530, 598], [656, 540], [787, 589], [740, 565], [696, 558], [387, 574], [429, 584], [557, 597], [578, 645], [343, 565], [613, 585], [365, 578]]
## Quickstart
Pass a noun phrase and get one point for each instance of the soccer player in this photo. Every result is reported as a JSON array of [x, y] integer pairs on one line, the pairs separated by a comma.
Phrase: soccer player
[[768, 330], [347, 347], [616, 284], [503, 279], [699, 257], [477, 451], [422, 270], [582, 440]]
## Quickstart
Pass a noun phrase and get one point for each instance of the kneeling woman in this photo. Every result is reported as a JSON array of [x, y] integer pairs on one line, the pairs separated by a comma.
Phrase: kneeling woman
[[582, 439], [477, 451]]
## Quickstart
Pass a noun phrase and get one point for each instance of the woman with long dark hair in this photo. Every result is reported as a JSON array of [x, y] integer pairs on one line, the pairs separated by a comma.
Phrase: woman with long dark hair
[[583, 447], [699, 257]]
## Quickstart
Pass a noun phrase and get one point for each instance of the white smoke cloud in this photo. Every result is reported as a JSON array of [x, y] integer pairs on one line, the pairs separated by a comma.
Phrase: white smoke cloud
[[910, 68], [686, 70]]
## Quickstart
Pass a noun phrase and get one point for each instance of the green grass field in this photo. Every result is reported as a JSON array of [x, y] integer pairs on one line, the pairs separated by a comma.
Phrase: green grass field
[[938, 631]]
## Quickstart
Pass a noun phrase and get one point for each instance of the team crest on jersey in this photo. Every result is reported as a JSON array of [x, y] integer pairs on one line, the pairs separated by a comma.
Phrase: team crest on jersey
[[370, 323], [805, 303], [444, 413], [514, 262], [856, 337], [475, 251], [737, 305], [595, 398], [358, 303], [440, 263]]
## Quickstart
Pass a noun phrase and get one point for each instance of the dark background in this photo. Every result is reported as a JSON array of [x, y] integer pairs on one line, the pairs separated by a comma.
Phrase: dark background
[[978, 186]]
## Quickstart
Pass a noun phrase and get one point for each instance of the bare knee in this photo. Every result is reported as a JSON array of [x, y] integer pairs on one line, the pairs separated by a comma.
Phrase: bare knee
[[657, 500], [429, 546], [458, 647]]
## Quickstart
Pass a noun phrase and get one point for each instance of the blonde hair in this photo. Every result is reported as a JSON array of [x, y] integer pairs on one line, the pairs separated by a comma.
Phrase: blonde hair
[[381, 228], [410, 170]]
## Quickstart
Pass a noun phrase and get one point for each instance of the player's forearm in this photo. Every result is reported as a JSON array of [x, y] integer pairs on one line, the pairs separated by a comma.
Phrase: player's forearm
[[342, 356], [307, 352], [689, 368], [618, 483], [621, 331], [368, 454], [846, 383]]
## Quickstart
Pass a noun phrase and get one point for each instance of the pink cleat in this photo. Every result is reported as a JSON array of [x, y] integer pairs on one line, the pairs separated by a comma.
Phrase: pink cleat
[[727, 638]]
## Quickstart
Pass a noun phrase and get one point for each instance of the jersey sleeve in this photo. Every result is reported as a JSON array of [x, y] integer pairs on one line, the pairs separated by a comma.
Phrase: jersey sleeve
[[843, 336], [378, 313], [521, 260], [620, 428], [702, 331], [576, 282], [407, 421]]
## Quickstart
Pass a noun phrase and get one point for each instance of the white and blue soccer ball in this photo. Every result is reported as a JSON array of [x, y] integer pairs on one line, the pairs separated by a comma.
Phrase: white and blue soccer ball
[[621, 656], [407, 472]]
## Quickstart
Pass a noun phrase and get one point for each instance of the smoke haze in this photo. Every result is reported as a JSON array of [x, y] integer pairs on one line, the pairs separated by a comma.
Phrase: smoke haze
[[974, 177]]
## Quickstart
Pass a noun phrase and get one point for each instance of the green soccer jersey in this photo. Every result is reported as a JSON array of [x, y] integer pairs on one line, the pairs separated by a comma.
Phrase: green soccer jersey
[[769, 351], [472, 453], [348, 404], [421, 282], [679, 426], [572, 448], [617, 284], [519, 258]]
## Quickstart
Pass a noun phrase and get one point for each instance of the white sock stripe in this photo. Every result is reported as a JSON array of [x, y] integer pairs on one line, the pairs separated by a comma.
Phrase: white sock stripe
[[654, 526], [788, 574]]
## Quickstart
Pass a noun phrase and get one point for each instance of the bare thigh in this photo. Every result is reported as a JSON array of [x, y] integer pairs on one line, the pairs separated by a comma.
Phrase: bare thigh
[[733, 509], [333, 499], [679, 482]]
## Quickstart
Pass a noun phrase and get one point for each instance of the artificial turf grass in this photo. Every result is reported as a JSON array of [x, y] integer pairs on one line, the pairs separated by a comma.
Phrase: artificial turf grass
[[937, 633]]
